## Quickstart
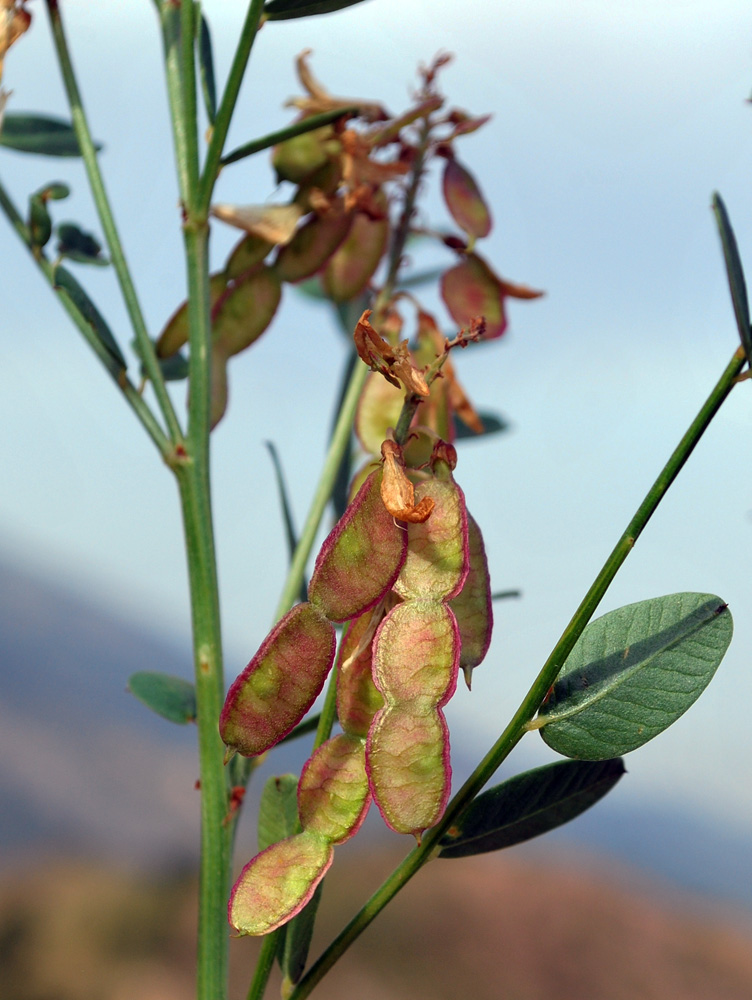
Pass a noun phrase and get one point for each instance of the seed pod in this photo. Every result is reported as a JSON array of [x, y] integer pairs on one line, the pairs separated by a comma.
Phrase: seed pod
[[312, 245], [437, 550], [175, 333], [277, 884], [407, 757], [244, 310], [280, 683], [248, 253], [358, 698], [333, 794], [472, 606], [352, 266], [333, 798], [464, 200], [360, 559]]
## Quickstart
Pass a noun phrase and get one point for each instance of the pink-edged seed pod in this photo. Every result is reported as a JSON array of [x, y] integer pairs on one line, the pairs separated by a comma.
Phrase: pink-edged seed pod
[[281, 682], [407, 757], [472, 606], [333, 792], [361, 557], [278, 882], [358, 698]]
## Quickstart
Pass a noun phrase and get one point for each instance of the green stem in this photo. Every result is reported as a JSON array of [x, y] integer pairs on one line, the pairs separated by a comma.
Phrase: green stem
[[189, 101], [89, 154], [169, 18], [214, 876], [129, 391], [228, 102], [533, 699], [264, 966]]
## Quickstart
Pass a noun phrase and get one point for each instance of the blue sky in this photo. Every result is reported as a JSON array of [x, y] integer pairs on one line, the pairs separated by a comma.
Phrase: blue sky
[[613, 123]]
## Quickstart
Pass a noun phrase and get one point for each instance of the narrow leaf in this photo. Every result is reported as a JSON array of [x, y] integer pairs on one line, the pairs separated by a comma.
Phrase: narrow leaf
[[735, 273], [634, 672], [284, 500], [171, 697], [530, 804], [278, 810], [308, 124], [206, 69], [283, 10], [40, 134], [492, 424], [66, 283]]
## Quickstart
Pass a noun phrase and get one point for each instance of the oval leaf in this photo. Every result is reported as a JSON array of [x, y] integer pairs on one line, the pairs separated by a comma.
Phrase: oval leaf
[[278, 810], [277, 884], [40, 134], [171, 697], [280, 683], [633, 672], [530, 804], [360, 559], [78, 245]]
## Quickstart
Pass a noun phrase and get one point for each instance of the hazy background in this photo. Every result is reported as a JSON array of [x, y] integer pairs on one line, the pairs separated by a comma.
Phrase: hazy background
[[612, 124]]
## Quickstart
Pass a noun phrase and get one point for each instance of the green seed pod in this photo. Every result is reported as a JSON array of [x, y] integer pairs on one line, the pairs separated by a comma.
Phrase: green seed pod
[[407, 757], [280, 683], [358, 698], [437, 550], [472, 606], [352, 266], [333, 794], [312, 246], [361, 558], [277, 884], [244, 310]]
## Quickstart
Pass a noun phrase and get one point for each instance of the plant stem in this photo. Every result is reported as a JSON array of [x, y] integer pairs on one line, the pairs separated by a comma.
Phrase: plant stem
[[189, 102], [107, 221], [228, 102], [129, 391], [533, 699]]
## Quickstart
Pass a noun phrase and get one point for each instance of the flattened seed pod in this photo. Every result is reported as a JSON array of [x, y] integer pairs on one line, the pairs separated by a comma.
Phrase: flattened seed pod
[[407, 757], [358, 698], [437, 550], [278, 882], [280, 683], [333, 793], [360, 559], [416, 655], [472, 606]]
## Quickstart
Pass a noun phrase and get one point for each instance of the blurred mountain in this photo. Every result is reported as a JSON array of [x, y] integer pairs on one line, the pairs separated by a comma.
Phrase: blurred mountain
[[86, 769]]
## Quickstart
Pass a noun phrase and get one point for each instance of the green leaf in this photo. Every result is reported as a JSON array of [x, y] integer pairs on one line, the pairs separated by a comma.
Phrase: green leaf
[[171, 697], [40, 134], [309, 124], [530, 804], [284, 500], [65, 282], [297, 941], [492, 424], [206, 70], [735, 273], [278, 810], [77, 245], [633, 672], [283, 10]]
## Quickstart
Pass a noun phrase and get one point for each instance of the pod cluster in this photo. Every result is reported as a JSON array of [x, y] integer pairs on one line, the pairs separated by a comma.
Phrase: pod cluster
[[415, 596]]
